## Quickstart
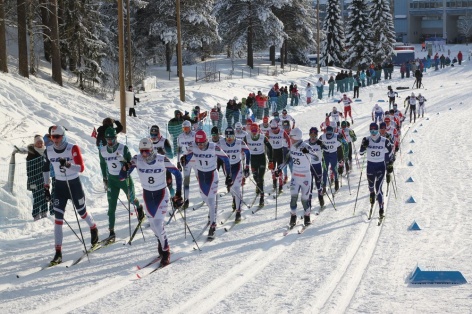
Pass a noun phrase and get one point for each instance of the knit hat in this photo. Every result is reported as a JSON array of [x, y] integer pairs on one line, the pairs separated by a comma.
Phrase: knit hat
[[38, 138]]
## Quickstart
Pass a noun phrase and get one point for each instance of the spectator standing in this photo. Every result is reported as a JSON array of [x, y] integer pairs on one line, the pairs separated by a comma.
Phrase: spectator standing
[[34, 171], [132, 111]]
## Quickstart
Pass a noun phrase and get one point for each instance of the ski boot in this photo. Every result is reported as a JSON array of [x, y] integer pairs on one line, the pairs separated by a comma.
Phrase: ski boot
[[324, 190], [211, 232], [293, 220], [336, 185], [234, 203], [94, 235], [238, 216], [372, 198], [111, 238], [381, 210], [321, 199], [185, 206], [274, 184], [159, 248], [261, 201], [57, 258], [165, 257], [306, 220]]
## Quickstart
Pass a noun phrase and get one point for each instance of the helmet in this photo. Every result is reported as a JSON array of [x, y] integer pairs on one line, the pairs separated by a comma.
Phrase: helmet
[[200, 137], [186, 124], [373, 126], [274, 125], [154, 129], [334, 108], [387, 120], [214, 131], [383, 125], [284, 111], [343, 124], [145, 144], [329, 129], [265, 119], [412, 94], [254, 128], [237, 126], [296, 134], [229, 131], [58, 130], [110, 136], [313, 130]]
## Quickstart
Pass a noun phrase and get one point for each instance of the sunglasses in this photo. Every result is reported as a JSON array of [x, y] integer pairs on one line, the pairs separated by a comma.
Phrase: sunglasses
[[145, 151], [56, 136], [154, 134]]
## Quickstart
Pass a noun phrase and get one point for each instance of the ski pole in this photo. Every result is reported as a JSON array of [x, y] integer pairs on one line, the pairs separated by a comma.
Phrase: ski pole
[[355, 154], [72, 229], [129, 206], [395, 184], [63, 170], [348, 183], [187, 227], [358, 186]]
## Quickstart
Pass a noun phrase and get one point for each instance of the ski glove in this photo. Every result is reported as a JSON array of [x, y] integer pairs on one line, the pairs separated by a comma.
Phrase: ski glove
[[305, 150], [228, 182], [365, 143], [246, 172], [271, 165], [47, 194], [64, 163], [390, 167], [182, 161], [177, 201], [179, 166], [105, 184], [277, 173]]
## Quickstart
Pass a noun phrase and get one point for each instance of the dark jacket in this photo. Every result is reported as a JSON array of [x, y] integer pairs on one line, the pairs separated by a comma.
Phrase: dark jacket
[[101, 141], [34, 169]]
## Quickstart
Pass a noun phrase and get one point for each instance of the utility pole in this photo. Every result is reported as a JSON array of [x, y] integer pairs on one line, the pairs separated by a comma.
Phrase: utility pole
[[179, 54], [318, 36], [128, 29], [121, 65]]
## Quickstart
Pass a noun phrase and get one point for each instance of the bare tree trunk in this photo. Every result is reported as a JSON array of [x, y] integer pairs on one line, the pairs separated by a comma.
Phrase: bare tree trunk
[[43, 5], [60, 9], [282, 55], [55, 52], [32, 57], [3, 41], [286, 51], [272, 55], [22, 39], [168, 56], [250, 49]]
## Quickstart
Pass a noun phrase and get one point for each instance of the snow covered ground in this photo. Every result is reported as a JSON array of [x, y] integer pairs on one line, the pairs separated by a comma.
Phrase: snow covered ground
[[342, 264]]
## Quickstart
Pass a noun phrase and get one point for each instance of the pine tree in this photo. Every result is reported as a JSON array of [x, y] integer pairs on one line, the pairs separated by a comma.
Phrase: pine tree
[[332, 47], [384, 31], [298, 18], [359, 34], [249, 25]]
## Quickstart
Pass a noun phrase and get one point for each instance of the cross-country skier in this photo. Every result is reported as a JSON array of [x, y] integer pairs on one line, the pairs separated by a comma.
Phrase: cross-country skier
[[280, 142], [111, 157], [301, 177], [350, 136], [421, 101], [288, 117], [68, 163], [185, 139], [151, 168], [204, 155], [335, 116], [391, 97], [347, 107], [377, 114], [162, 146], [411, 100], [316, 170], [264, 126], [234, 148], [239, 132], [331, 141], [258, 145], [379, 158]]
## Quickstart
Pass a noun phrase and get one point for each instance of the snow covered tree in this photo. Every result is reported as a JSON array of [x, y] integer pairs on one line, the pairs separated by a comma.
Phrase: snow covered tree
[[384, 30], [465, 27], [332, 47], [359, 34], [299, 21], [249, 25]]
